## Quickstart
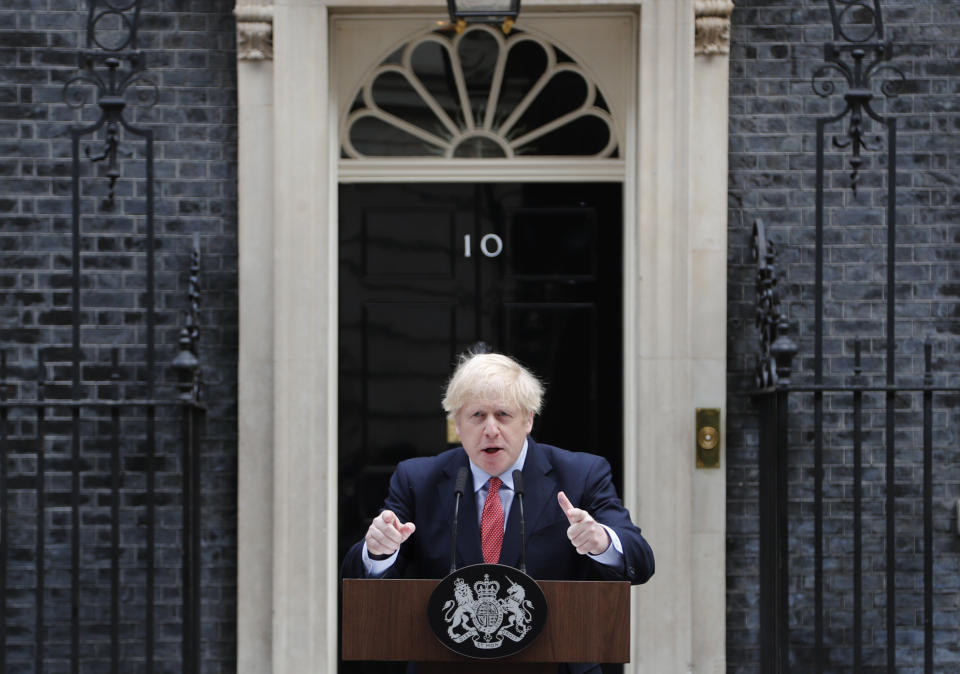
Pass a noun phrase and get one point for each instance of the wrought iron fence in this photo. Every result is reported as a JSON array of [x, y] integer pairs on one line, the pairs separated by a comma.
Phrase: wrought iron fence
[[876, 428], [839, 455], [99, 452]]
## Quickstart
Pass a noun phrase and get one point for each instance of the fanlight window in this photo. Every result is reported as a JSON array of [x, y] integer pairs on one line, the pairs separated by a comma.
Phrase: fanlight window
[[478, 95]]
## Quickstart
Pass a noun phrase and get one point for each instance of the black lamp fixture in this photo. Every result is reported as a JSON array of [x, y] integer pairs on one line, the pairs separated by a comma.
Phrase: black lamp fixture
[[503, 12]]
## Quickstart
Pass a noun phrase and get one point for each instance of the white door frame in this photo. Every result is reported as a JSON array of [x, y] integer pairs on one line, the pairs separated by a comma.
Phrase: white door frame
[[674, 347]]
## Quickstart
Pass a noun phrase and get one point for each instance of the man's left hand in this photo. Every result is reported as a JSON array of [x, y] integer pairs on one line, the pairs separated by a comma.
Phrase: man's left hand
[[586, 535]]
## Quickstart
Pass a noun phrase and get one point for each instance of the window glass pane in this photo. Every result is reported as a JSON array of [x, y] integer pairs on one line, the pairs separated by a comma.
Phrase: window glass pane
[[394, 94], [476, 148], [431, 64], [565, 92], [583, 136], [375, 138], [425, 94], [526, 63], [478, 55]]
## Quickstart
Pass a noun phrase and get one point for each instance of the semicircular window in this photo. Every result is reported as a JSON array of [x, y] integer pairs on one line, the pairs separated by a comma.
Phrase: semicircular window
[[479, 94]]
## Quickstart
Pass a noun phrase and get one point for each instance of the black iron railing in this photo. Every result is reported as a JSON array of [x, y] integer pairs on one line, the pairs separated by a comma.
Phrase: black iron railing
[[855, 405], [785, 428], [99, 456], [95, 459], [822, 442]]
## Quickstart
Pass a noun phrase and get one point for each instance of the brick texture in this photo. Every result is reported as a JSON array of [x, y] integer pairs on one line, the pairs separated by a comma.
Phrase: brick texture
[[189, 48], [777, 47]]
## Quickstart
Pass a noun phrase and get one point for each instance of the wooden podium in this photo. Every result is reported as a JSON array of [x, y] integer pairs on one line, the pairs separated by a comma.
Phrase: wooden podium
[[587, 621]]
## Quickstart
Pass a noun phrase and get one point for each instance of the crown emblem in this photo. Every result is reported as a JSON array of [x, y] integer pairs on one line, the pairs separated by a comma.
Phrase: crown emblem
[[486, 588]]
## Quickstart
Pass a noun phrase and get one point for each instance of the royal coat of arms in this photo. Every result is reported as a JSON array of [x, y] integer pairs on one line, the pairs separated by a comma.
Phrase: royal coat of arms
[[487, 613], [485, 616]]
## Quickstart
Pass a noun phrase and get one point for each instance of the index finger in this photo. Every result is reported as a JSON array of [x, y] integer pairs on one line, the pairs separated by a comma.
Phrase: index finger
[[567, 507], [390, 520]]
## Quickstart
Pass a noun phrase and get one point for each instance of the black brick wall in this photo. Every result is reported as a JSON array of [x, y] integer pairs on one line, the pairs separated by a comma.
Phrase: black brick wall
[[190, 56], [777, 46]]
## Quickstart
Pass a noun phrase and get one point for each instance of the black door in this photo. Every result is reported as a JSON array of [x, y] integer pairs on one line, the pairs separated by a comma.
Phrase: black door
[[426, 270]]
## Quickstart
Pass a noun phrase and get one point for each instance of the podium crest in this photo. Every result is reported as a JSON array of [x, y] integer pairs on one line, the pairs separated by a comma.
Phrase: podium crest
[[471, 614]]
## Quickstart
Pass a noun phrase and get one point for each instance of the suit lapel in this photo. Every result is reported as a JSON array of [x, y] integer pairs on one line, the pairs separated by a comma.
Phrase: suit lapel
[[468, 531], [540, 487]]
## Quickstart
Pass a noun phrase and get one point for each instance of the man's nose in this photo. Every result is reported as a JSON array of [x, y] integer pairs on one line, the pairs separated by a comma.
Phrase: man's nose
[[490, 426]]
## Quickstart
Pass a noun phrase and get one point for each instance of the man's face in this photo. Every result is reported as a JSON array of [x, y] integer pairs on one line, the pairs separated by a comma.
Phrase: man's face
[[492, 433]]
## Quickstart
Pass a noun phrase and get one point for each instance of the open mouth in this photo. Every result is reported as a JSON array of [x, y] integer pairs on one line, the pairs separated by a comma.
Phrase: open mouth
[[491, 450]]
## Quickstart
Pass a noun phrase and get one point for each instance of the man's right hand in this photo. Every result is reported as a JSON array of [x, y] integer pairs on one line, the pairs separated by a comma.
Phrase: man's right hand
[[386, 533]]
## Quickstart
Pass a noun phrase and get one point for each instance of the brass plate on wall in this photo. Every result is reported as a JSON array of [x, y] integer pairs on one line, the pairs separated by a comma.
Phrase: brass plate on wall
[[708, 437], [453, 438]]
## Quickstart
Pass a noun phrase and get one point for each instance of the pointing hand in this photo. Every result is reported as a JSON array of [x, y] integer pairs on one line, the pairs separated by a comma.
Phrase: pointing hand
[[386, 533], [585, 534]]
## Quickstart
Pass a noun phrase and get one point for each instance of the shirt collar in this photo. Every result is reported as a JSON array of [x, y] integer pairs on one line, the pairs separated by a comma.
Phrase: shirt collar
[[480, 477]]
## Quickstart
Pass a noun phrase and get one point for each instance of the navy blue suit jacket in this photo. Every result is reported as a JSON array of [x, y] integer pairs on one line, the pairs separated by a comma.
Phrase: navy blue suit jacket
[[421, 491]]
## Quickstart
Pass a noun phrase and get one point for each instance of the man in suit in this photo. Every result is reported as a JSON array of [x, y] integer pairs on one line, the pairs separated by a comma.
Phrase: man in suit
[[577, 527]]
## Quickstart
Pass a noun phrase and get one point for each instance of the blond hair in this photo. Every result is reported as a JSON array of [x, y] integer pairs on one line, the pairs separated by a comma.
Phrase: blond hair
[[492, 376]]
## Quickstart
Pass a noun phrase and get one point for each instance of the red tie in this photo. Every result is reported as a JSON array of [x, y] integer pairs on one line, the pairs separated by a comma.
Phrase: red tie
[[491, 523]]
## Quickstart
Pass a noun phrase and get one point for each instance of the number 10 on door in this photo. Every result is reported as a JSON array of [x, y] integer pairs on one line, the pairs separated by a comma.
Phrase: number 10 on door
[[491, 245]]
